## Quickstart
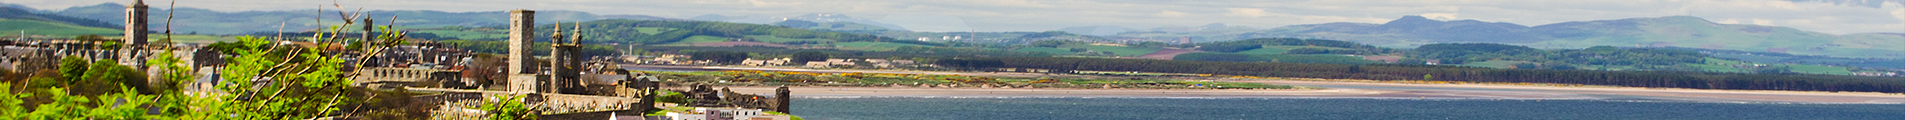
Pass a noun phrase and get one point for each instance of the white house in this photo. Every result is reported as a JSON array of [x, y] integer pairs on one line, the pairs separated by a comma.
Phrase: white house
[[818, 64], [701, 113]]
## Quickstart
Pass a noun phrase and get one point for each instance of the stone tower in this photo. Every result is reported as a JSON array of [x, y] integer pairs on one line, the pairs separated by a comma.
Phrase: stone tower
[[781, 98], [135, 35], [523, 67], [563, 62], [522, 32]]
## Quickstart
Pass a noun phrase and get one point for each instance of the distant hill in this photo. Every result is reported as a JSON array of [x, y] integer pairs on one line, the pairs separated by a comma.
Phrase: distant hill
[[200, 20], [832, 26], [1096, 30], [654, 32], [1671, 31], [12, 27], [23, 13], [845, 22]]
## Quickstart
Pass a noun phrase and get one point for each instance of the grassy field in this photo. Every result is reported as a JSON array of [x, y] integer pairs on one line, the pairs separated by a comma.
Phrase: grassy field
[[1718, 65], [12, 27], [202, 39], [871, 46], [690, 40], [1281, 49], [1055, 51], [772, 39], [467, 34], [1819, 69], [1500, 64], [1120, 51]]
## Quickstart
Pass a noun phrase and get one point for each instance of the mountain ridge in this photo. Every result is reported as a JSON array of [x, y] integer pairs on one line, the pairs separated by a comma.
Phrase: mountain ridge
[[1667, 31]]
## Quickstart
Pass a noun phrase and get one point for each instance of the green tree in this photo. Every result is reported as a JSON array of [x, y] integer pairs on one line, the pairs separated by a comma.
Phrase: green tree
[[508, 107], [802, 57], [72, 68]]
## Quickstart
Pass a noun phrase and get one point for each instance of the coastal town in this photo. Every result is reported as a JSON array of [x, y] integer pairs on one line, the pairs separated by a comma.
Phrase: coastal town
[[553, 63]]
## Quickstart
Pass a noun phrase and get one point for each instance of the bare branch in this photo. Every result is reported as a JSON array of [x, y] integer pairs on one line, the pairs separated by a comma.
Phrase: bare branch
[[280, 33]]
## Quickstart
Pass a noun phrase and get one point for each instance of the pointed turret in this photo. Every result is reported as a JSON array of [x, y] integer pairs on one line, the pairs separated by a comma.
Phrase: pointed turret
[[576, 38], [557, 37]]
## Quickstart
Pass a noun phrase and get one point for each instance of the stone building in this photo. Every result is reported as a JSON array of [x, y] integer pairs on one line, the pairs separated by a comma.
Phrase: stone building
[[522, 68], [133, 49]]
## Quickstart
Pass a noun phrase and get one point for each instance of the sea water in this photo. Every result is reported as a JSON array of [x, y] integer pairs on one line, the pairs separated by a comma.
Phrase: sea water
[[893, 108]]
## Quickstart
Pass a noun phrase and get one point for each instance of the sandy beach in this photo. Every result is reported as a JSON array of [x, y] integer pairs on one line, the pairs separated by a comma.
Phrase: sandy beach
[[1369, 90], [1334, 89]]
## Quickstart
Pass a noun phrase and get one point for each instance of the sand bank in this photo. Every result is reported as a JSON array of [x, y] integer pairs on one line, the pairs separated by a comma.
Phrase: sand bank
[[1367, 90]]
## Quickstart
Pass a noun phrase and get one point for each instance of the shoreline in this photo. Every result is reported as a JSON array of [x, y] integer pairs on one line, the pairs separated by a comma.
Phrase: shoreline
[[1363, 91], [1333, 88]]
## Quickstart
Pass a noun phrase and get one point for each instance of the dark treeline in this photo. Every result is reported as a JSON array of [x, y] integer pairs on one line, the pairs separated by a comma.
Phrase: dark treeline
[[1282, 58], [1251, 44], [1459, 53], [723, 57], [1322, 51], [1695, 80], [630, 31], [540, 48], [902, 52]]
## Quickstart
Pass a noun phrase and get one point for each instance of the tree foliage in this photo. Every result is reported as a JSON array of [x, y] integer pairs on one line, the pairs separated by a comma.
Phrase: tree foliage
[[508, 107], [801, 58], [1234, 57]]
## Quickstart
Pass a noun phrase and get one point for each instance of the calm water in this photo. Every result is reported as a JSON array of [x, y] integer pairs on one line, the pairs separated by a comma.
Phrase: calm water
[[888, 108]]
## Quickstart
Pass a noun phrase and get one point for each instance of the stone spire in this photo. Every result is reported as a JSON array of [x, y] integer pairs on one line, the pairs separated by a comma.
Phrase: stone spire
[[368, 25], [576, 37], [557, 38], [135, 35]]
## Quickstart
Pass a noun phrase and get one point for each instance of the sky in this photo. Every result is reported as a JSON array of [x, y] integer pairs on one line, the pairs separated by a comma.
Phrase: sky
[[1828, 16]]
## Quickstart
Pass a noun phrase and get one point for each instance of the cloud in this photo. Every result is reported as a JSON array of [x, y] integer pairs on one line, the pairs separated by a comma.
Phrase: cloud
[[1247, 12], [1168, 13], [1899, 13], [1762, 22], [1441, 16], [1728, 21]]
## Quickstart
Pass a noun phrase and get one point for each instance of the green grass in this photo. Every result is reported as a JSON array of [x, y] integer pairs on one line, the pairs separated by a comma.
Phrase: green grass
[[12, 27], [195, 38], [1818, 69], [1264, 51], [871, 46], [1182, 82], [1499, 64], [1055, 51], [1718, 65], [1281, 49], [789, 116], [699, 39], [772, 39], [651, 30], [462, 34], [1120, 51]]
